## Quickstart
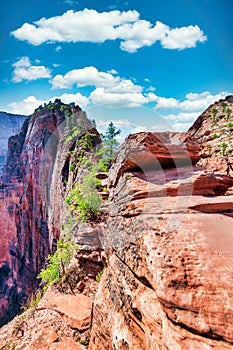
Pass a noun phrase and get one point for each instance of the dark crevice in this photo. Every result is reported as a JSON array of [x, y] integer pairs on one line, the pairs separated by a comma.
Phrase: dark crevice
[[141, 279], [133, 319], [137, 313], [209, 335], [170, 305]]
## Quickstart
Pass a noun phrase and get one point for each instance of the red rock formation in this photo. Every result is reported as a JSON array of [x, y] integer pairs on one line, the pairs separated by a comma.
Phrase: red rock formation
[[213, 131], [167, 281], [74, 309], [26, 205], [10, 125]]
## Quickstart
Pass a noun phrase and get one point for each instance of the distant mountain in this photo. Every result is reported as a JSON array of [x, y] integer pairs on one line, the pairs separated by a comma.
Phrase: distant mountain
[[10, 125]]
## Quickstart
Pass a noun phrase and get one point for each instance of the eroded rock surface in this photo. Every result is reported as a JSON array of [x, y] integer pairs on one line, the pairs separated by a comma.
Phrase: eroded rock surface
[[31, 200], [168, 251], [168, 283]]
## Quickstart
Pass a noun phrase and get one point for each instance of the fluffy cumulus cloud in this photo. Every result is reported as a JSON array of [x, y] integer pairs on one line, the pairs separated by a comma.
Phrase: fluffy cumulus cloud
[[128, 99], [166, 103], [88, 76], [30, 103], [187, 111], [24, 70], [126, 26], [109, 88], [183, 38], [199, 102]]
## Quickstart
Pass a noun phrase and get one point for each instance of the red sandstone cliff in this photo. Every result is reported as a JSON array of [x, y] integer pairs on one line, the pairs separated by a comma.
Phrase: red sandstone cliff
[[30, 198], [167, 281]]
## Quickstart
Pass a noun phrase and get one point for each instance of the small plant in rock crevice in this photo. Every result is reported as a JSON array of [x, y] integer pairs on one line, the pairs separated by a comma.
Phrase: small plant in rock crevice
[[223, 148], [214, 111], [99, 275], [58, 262], [33, 301]]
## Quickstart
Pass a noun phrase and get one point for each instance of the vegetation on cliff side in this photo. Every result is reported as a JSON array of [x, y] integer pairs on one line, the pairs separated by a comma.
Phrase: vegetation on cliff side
[[87, 160]]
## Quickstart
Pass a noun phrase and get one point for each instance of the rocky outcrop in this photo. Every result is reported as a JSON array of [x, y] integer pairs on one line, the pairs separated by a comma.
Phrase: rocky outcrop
[[213, 131], [167, 284], [10, 125], [31, 199], [74, 309], [61, 321], [167, 240]]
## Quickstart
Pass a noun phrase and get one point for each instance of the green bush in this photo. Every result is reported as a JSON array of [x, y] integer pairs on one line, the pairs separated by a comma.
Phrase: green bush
[[33, 301], [98, 276], [84, 198], [58, 262], [214, 111], [228, 112], [84, 341], [215, 136], [224, 147]]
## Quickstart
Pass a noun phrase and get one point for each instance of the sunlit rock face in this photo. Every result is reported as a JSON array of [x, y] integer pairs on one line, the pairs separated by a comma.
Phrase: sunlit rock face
[[166, 232], [168, 283], [28, 176]]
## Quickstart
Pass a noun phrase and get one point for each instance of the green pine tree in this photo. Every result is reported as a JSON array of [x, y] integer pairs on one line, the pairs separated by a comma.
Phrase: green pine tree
[[110, 143]]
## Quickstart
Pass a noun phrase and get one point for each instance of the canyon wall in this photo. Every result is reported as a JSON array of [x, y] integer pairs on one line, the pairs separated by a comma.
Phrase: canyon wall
[[30, 219], [10, 125], [168, 279], [166, 235]]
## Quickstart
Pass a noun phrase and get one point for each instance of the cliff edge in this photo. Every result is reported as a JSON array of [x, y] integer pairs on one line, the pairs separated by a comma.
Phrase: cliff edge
[[165, 242]]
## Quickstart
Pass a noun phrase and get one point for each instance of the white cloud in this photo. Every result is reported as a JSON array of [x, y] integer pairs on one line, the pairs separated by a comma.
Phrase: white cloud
[[77, 98], [166, 103], [30, 103], [189, 109], [87, 76], [140, 128], [183, 38], [70, 2], [112, 71], [103, 96], [27, 106], [151, 88], [182, 117], [24, 70], [118, 123], [58, 48], [109, 89], [181, 126], [125, 86], [181, 121], [193, 103], [199, 102], [92, 26]]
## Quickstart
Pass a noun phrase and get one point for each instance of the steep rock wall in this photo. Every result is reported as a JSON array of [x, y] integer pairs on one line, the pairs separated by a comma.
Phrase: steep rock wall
[[27, 236], [168, 280], [10, 125]]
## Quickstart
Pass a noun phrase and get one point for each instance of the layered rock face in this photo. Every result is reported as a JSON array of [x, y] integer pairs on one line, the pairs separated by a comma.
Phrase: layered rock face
[[10, 125], [213, 131], [166, 232], [28, 177], [168, 280]]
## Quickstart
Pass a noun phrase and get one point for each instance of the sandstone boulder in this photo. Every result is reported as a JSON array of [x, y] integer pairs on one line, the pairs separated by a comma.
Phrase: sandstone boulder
[[74, 309]]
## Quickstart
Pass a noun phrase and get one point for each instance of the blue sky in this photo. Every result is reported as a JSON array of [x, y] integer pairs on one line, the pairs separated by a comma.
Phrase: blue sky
[[142, 64]]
